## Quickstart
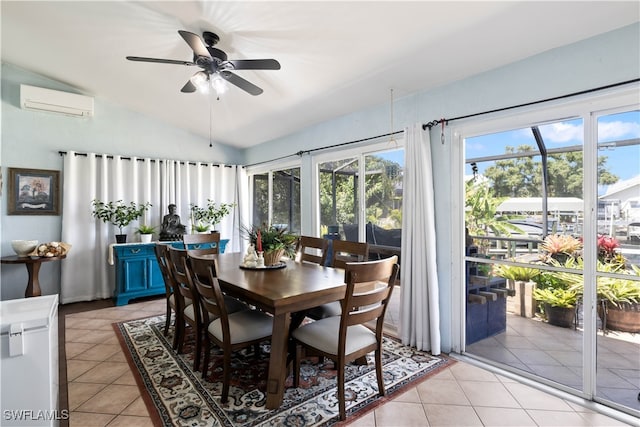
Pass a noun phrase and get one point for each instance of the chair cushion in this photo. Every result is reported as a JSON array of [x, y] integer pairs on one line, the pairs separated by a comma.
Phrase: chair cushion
[[172, 300], [326, 310], [247, 325], [323, 335], [189, 313]]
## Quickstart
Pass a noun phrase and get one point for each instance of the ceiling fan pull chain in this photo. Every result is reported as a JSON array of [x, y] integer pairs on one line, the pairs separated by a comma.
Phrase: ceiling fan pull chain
[[211, 115]]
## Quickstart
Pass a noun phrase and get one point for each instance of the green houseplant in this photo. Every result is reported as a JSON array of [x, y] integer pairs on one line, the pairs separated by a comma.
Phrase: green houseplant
[[273, 241], [145, 232], [204, 218], [119, 214]]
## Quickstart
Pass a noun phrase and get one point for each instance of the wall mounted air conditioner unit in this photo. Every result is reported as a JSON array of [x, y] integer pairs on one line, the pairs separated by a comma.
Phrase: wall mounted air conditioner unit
[[55, 101]]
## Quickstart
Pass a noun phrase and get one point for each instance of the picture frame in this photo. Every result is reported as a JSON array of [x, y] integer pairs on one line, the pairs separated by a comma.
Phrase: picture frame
[[33, 192]]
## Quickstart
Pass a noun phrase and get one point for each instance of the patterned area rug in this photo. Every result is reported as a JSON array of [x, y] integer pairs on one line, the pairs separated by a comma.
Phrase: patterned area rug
[[182, 398]]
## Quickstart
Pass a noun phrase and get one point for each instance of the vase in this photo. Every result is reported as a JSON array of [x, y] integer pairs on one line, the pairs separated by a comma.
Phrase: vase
[[273, 257], [146, 238], [121, 238]]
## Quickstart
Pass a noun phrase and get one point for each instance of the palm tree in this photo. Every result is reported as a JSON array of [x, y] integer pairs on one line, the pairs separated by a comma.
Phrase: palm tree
[[481, 217]]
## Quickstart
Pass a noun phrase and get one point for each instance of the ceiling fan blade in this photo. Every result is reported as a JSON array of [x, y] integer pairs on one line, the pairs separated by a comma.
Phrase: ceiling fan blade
[[255, 64], [188, 87], [157, 60], [241, 83], [195, 43]]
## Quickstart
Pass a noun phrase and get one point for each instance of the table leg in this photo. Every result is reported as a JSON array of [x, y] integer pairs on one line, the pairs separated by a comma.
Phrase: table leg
[[33, 285], [278, 361]]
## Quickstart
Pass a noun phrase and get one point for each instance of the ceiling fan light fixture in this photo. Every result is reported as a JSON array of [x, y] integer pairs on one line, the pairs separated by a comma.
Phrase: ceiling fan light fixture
[[201, 81], [219, 84]]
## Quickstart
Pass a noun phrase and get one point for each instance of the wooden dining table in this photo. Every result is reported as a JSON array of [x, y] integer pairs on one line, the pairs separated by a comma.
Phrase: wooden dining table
[[281, 292]]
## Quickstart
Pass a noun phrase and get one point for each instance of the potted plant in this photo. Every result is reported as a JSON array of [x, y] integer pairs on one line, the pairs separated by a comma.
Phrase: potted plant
[[521, 281], [119, 214], [145, 232], [559, 305], [620, 308], [204, 218], [275, 242], [560, 247]]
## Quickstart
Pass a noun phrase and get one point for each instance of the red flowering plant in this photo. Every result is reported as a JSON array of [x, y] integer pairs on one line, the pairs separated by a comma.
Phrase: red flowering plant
[[607, 253]]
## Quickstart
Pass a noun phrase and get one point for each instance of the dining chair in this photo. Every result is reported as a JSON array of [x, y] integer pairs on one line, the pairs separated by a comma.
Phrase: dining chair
[[178, 264], [229, 331], [202, 244], [343, 251], [345, 338], [312, 249], [174, 304]]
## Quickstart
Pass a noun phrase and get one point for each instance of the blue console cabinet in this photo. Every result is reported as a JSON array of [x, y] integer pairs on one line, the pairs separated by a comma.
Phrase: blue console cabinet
[[137, 271]]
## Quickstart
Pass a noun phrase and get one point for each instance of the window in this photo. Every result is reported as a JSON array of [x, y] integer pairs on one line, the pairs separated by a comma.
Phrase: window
[[363, 210], [276, 198]]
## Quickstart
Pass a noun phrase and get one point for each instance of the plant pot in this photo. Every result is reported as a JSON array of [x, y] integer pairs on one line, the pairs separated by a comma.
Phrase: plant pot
[[121, 238], [522, 303], [146, 238], [560, 316], [273, 257], [624, 318]]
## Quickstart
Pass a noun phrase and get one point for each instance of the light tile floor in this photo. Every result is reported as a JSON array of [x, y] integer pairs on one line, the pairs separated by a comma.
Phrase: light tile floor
[[102, 390]]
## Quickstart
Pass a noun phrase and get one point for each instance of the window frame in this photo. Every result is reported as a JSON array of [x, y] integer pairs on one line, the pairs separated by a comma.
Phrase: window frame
[[334, 155], [270, 168], [588, 108]]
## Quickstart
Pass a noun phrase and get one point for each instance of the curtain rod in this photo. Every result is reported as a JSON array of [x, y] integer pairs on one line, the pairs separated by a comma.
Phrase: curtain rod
[[328, 147], [432, 123], [110, 156]]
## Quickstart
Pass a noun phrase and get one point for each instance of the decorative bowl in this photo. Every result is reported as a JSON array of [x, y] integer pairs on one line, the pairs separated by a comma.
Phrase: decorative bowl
[[23, 248]]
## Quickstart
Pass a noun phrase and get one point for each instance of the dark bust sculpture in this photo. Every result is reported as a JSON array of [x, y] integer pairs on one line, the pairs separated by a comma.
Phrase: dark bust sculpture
[[171, 229]]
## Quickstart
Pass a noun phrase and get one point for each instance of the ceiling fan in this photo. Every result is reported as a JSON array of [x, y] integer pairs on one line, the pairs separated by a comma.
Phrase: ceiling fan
[[214, 64]]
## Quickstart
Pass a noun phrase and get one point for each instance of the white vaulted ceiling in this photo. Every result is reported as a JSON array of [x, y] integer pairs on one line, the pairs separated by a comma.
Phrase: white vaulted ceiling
[[336, 57]]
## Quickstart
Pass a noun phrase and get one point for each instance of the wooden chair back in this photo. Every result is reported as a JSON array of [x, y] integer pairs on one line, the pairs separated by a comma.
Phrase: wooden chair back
[[312, 249], [180, 270], [210, 295], [201, 244], [345, 251], [162, 253], [360, 307]]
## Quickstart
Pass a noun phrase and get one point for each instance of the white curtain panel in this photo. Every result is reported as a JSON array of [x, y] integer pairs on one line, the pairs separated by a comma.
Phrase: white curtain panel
[[419, 309], [86, 273]]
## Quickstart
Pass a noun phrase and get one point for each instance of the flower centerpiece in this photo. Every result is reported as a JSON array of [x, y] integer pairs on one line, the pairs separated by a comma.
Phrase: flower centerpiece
[[275, 242]]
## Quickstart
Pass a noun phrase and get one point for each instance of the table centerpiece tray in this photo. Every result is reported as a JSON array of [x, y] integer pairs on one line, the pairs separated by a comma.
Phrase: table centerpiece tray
[[277, 266]]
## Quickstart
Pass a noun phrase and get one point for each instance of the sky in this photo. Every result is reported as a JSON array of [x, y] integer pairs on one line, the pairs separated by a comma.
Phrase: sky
[[621, 161]]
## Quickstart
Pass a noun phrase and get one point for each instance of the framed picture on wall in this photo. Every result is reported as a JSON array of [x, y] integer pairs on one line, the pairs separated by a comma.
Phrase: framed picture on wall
[[33, 192]]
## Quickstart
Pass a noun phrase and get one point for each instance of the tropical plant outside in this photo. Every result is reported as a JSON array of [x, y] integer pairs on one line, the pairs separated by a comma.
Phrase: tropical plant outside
[[556, 297], [516, 273], [481, 216]]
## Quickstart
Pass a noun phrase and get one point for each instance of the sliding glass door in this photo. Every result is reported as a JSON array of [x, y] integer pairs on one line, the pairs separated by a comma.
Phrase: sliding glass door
[[551, 275], [617, 260]]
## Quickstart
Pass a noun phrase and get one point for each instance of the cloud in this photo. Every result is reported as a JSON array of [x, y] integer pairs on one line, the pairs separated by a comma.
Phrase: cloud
[[608, 131], [562, 132]]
